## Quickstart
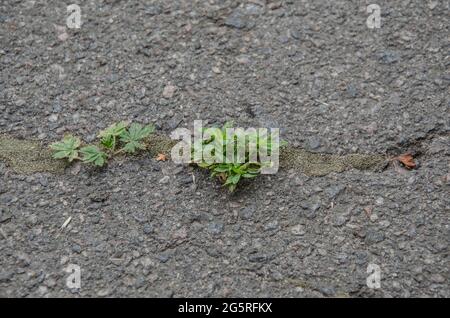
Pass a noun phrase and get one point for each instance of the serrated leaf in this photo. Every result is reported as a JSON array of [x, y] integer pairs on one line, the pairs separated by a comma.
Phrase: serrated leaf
[[134, 135], [109, 135], [233, 179], [221, 169], [232, 187], [92, 154], [131, 146], [67, 148], [113, 130], [109, 142]]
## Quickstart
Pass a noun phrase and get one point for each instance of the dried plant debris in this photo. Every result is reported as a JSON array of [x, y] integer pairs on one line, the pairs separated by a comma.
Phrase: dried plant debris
[[161, 157], [407, 160]]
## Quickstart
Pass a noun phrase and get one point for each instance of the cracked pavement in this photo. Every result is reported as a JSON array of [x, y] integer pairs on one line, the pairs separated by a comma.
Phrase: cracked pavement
[[142, 227]]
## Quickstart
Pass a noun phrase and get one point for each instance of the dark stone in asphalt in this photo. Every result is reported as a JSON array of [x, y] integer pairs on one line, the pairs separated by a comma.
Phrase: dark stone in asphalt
[[76, 248], [5, 216], [374, 236], [148, 229], [5, 276], [236, 20], [215, 228], [314, 143], [389, 57]]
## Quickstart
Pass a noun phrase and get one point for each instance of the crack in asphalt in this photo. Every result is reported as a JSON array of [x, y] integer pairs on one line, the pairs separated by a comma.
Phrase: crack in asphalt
[[29, 156]]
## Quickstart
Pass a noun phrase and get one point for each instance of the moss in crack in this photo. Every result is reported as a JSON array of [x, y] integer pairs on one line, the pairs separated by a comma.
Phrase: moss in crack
[[316, 164], [28, 156], [157, 144], [313, 164]]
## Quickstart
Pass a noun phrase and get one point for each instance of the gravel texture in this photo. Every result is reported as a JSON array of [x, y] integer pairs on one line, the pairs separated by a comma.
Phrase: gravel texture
[[142, 227]]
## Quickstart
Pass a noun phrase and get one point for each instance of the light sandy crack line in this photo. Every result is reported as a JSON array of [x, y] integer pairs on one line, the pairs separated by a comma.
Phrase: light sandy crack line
[[30, 156]]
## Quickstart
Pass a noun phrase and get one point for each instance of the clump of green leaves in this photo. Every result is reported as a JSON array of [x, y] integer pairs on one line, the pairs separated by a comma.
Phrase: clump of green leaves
[[231, 173], [108, 137], [114, 139]]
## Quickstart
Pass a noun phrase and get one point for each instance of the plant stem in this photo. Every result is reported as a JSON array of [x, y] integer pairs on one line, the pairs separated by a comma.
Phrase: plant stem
[[118, 151]]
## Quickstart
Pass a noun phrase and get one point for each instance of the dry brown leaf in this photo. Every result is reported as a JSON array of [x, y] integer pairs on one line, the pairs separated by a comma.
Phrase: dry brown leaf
[[161, 157], [222, 177], [407, 160]]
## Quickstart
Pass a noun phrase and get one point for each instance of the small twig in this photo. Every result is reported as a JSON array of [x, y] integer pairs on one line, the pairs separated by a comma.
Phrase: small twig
[[66, 223], [318, 101], [119, 151]]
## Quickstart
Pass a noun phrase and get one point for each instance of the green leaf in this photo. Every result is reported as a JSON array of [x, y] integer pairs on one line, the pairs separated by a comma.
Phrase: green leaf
[[91, 154], [233, 172], [233, 179], [109, 142], [113, 130], [221, 169], [134, 135], [254, 171], [132, 146], [237, 170], [203, 165], [109, 135], [232, 187], [67, 148]]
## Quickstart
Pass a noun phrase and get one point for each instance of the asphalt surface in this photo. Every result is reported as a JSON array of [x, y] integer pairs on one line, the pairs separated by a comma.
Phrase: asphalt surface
[[142, 227]]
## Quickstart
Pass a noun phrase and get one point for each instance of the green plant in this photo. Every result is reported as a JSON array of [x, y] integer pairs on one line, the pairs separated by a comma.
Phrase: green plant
[[66, 148], [118, 134], [132, 138], [246, 160], [231, 173], [108, 137]]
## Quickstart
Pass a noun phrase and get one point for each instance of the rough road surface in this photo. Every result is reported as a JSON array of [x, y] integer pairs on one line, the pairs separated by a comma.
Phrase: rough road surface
[[142, 227]]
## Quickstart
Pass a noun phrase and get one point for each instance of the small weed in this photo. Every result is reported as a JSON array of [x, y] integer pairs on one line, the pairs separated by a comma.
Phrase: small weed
[[118, 135], [132, 138], [108, 137], [232, 173]]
